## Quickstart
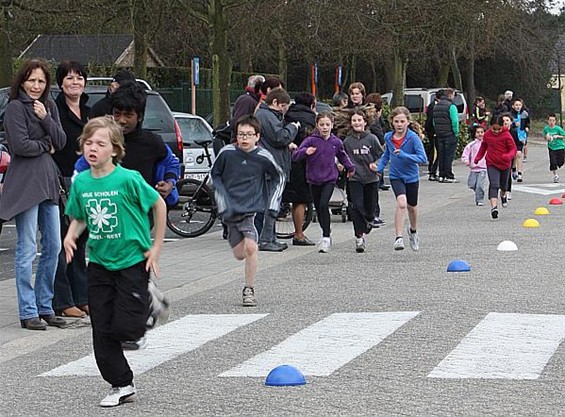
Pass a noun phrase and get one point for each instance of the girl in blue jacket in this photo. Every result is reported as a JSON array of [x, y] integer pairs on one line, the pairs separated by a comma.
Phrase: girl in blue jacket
[[404, 151]]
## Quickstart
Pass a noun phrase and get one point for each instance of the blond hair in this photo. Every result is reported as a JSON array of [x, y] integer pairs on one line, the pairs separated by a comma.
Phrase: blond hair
[[399, 110], [114, 131]]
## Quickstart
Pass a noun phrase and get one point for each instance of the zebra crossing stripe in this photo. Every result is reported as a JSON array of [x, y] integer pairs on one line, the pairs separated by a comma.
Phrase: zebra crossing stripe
[[166, 342], [327, 345], [510, 346]]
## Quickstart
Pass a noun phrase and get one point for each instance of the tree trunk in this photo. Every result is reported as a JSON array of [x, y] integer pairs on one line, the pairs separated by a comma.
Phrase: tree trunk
[[471, 92], [221, 62], [139, 22], [456, 71], [374, 81], [398, 74], [283, 64], [443, 74], [5, 52]]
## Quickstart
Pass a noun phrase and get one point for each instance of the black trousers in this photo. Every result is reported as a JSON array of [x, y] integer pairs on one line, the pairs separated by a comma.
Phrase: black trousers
[[363, 200], [119, 303], [321, 195], [446, 148]]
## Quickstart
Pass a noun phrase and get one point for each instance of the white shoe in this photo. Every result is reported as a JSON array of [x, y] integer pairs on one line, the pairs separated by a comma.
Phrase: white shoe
[[138, 344], [360, 244], [119, 395], [159, 306], [325, 245], [508, 195], [414, 239], [556, 178], [398, 244]]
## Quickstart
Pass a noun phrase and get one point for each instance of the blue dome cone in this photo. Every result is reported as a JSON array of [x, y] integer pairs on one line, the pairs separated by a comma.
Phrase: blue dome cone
[[285, 375], [458, 265]]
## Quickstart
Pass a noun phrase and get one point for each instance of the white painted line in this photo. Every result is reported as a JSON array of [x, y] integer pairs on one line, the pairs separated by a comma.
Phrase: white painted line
[[509, 346], [166, 342], [543, 189], [327, 345]]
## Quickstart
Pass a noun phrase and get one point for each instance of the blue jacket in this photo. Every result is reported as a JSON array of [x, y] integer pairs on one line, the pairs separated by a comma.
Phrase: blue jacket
[[404, 165], [168, 169]]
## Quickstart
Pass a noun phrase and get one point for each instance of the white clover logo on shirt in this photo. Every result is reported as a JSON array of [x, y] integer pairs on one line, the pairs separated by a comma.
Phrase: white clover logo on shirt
[[101, 215]]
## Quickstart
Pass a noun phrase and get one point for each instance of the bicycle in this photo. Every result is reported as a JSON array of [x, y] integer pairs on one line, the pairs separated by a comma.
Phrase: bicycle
[[196, 211], [284, 226]]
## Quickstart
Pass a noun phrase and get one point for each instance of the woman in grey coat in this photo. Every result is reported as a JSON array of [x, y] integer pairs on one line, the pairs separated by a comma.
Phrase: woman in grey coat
[[31, 191]]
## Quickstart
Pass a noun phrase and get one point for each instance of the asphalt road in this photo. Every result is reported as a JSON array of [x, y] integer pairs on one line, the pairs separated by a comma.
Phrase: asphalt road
[[482, 331]]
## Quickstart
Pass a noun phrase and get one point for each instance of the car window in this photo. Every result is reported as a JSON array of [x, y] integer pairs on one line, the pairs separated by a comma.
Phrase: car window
[[458, 101], [158, 117], [193, 129], [414, 103]]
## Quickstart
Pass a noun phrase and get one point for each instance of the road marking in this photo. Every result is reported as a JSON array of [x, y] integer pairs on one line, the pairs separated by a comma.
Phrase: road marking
[[166, 342], [543, 189], [327, 345], [510, 346]]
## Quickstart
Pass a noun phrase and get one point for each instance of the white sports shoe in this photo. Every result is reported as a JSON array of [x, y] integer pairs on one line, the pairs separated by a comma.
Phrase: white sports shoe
[[325, 245], [398, 244], [414, 239], [119, 395], [159, 306]]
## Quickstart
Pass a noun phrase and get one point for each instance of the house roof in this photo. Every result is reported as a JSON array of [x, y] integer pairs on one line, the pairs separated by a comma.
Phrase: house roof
[[86, 49]]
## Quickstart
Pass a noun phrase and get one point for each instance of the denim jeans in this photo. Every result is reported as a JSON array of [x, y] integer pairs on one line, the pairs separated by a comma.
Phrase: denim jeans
[[36, 299]]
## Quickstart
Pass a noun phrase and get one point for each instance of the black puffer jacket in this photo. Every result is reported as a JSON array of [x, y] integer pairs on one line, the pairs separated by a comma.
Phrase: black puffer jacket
[[442, 121], [307, 118]]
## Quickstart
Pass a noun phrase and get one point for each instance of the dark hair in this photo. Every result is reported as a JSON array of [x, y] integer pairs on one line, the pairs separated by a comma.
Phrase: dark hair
[[249, 120], [123, 76], [66, 67], [360, 112], [25, 72], [473, 130], [130, 96], [338, 97], [271, 82], [376, 99], [305, 98], [278, 94], [550, 115]]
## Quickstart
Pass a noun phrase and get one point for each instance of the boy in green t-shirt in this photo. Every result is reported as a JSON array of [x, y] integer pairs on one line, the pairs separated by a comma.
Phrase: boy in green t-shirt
[[554, 135], [113, 203]]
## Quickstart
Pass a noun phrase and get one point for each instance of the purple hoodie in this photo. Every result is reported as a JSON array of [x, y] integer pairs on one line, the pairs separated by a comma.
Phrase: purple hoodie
[[320, 166]]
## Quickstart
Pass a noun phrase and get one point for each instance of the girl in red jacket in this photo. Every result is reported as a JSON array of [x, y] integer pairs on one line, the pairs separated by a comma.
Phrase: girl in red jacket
[[500, 150]]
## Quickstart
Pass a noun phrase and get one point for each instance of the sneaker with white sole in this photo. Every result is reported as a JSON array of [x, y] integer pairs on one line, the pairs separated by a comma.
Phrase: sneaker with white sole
[[159, 306], [360, 244], [249, 297], [480, 203], [398, 243], [138, 344], [119, 395], [508, 195], [325, 245], [556, 178], [414, 239]]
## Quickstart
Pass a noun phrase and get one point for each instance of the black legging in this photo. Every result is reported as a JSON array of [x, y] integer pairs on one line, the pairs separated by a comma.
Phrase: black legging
[[363, 199], [497, 180], [321, 195]]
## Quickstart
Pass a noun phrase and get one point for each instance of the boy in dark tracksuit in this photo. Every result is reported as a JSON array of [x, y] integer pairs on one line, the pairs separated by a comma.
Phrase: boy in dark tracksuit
[[238, 173]]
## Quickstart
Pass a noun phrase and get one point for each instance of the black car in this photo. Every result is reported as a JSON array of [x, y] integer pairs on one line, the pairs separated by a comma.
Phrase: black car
[[158, 116]]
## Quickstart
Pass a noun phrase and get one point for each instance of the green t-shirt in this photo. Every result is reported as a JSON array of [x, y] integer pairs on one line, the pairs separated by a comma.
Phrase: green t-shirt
[[557, 143], [115, 208]]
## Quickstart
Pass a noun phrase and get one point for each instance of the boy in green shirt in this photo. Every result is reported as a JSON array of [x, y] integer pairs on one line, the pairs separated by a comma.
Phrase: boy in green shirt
[[113, 203], [554, 135]]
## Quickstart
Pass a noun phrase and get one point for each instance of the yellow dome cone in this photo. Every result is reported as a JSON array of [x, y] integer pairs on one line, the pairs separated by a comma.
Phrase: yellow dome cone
[[531, 223], [540, 211]]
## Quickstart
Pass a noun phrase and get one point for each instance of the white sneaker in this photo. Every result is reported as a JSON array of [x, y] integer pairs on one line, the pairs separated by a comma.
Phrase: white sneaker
[[556, 178], [159, 306], [138, 344], [414, 239], [249, 299], [325, 245], [508, 195], [360, 244], [398, 244], [119, 395]]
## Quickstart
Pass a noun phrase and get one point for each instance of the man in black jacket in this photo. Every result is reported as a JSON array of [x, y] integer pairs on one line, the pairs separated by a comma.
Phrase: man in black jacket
[[431, 149], [446, 125]]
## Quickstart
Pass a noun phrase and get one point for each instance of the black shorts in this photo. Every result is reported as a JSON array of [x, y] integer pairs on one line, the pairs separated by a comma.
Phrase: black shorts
[[399, 187], [556, 159]]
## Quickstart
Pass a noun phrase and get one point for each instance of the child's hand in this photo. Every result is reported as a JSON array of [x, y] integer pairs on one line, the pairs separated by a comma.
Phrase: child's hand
[[339, 167], [70, 246], [310, 150], [292, 146], [373, 166], [396, 151], [152, 256], [164, 188], [350, 173]]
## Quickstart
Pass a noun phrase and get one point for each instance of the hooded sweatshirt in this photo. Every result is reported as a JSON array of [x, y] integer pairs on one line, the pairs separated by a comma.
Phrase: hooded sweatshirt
[[320, 166], [500, 149], [469, 154], [404, 165], [363, 148]]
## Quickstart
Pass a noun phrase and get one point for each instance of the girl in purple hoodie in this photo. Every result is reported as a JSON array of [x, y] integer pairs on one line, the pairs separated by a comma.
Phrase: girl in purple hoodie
[[321, 150]]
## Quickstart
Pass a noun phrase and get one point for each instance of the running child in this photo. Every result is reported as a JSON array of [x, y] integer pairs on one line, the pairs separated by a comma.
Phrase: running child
[[113, 203], [239, 175], [404, 150], [364, 149], [478, 172], [500, 149], [321, 148], [554, 135]]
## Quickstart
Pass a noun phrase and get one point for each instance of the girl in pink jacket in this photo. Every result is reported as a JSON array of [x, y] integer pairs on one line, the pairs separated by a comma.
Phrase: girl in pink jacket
[[478, 171]]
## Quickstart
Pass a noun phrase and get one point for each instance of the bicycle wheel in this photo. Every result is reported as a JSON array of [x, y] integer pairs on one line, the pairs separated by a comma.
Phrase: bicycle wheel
[[284, 226], [195, 212]]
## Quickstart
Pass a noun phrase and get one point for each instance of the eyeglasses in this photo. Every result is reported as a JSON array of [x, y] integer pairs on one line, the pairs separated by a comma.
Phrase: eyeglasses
[[244, 135]]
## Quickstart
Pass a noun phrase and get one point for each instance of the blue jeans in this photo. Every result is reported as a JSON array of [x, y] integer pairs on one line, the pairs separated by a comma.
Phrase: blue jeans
[[36, 300]]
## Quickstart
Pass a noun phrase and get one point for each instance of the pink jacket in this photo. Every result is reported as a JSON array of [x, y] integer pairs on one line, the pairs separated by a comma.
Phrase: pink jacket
[[469, 154]]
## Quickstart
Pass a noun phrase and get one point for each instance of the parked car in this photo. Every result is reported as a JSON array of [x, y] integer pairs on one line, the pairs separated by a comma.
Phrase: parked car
[[418, 99], [194, 128], [158, 116]]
